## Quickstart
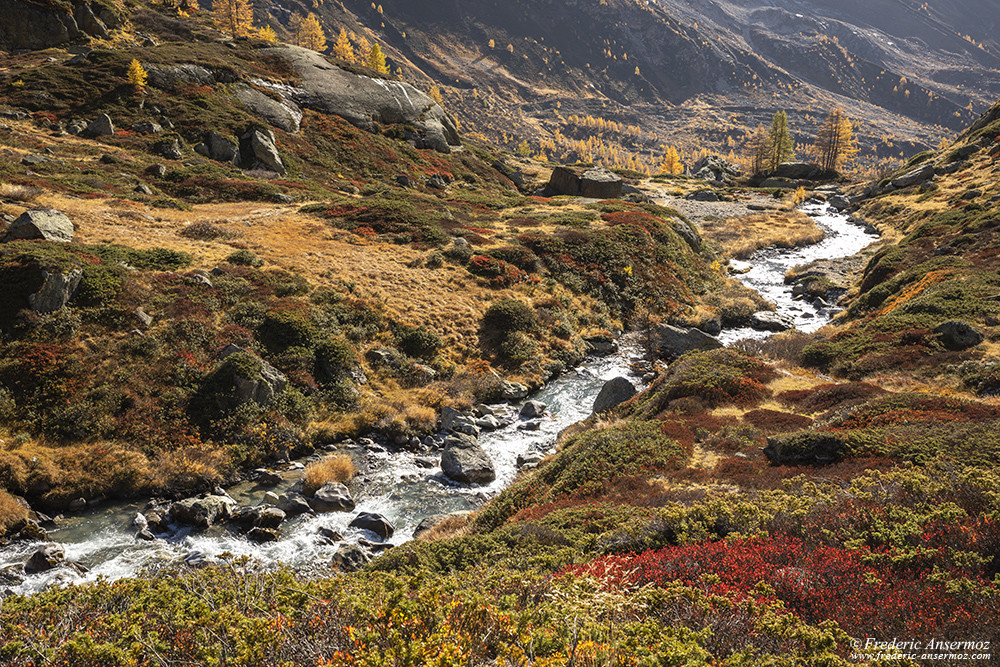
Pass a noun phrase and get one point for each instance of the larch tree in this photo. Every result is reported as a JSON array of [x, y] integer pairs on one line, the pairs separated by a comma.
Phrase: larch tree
[[759, 150], [343, 48], [376, 60], [836, 145], [309, 34], [233, 16], [671, 163], [782, 147], [137, 75]]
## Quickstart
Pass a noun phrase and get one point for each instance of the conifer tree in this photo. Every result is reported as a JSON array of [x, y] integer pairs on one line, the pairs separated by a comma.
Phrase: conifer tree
[[137, 75], [782, 147], [309, 33], [435, 94], [759, 150], [836, 145], [376, 60], [267, 34], [343, 48], [233, 16]]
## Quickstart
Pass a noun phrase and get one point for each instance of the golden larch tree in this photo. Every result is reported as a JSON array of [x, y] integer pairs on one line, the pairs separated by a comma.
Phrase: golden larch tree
[[836, 144], [309, 33], [435, 94], [233, 16], [376, 60], [343, 48], [136, 74], [759, 150]]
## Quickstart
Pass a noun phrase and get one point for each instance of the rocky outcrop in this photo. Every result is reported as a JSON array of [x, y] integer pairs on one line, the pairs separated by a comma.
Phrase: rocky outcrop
[[37, 25], [674, 341], [258, 151], [714, 168], [245, 377], [364, 101], [958, 336], [56, 291], [914, 177], [216, 147], [798, 170], [285, 115], [464, 461], [614, 392], [44, 223], [594, 183], [102, 126]]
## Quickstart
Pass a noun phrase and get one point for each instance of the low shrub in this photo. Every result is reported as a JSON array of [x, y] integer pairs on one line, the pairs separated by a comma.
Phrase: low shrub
[[337, 468]]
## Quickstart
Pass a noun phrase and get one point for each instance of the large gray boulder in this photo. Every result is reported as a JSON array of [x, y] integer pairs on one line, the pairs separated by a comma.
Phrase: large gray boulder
[[595, 183], [914, 177], [202, 512], [957, 335], [375, 523], [258, 151], [714, 168], [674, 341], [216, 147], [771, 321], [614, 392], [285, 114], [56, 291], [332, 497], [251, 378], [100, 127], [43, 223], [464, 461], [798, 170], [364, 101], [350, 558]]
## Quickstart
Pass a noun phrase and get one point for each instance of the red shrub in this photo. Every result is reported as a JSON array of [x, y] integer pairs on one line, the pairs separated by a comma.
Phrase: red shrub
[[498, 272], [828, 396], [775, 421]]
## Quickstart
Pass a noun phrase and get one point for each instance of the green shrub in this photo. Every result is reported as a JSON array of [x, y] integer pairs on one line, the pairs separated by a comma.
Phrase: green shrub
[[509, 315], [244, 258], [100, 284], [420, 343]]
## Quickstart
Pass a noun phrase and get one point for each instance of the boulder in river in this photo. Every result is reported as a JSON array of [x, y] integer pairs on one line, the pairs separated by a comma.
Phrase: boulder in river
[[674, 341], [770, 321], [45, 558], [202, 512], [332, 497], [533, 409], [293, 504], [614, 392], [464, 461], [375, 523]]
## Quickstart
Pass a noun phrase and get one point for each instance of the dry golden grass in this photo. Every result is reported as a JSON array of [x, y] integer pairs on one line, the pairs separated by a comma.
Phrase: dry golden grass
[[19, 193], [11, 511], [336, 468], [741, 237], [455, 526]]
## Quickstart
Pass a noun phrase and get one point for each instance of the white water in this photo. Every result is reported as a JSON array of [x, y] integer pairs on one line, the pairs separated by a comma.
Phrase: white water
[[391, 483], [766, 269]]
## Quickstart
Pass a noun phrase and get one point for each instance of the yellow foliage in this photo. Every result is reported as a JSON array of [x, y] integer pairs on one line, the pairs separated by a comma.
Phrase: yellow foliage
[[136, 74], [343, 48], [376, 60], [233, 16], [309, 33], [435, 94], [339, 468], [266, 33]]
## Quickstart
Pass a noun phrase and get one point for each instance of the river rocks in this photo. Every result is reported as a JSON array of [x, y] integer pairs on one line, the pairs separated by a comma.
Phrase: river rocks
[[332, 497], [771, 321], [429, 523], [839, 202], [365, 102], [456, 422], [260, 516], [258, 151], [594, 183], [350, 558], [267, 477], [914, 177], [375, 523], [262, 535], [601, 345], [798, 170], [45, 558], [958, 336], [42, 223], [673, 341], [216, 147], [293, 504], [100, 127], [464, 461], [532, 409], [56, 291], [614, 392], [202, 512], [512, 391], [77, 505]]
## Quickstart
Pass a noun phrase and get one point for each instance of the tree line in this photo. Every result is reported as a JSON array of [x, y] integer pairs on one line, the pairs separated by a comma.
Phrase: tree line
[[834, 149]]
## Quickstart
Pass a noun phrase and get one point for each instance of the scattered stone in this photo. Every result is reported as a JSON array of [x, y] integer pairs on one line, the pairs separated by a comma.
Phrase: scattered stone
[[375, 523], [259, 386], [704, 196], [780, 183], [601, 345], [198, 559], [437, 181], [675, 341], [45, 558], [914, 177], [157, 170], [56, 291], [100, 127], [330, 534], [957, 335], [429, 523], [77, 505], [714, 168], [771, 321], [293, 504], [614, 392], [839, 202], [464, 461], [350, 558], [41, 223], [258, 151], [216, 147], [594, 183], [143, 189], [33, 160], [512, 391], [529, 459], [426, 462], [404, 181], [147, 127], [282, 198], [267, 477], [533, 409], [169, 148], [332, 497]]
